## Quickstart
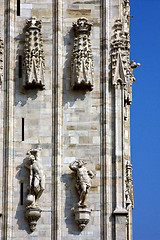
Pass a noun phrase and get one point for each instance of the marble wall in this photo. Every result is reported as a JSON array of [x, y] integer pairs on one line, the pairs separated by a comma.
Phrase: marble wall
[[66, 124]]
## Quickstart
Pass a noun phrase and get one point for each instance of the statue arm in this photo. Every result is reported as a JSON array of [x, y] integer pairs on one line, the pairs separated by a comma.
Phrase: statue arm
[[31, 176], [72, 167]]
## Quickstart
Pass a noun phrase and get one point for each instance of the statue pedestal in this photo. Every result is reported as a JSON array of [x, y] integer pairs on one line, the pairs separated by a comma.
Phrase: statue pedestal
[[82, 216], [32, 215]]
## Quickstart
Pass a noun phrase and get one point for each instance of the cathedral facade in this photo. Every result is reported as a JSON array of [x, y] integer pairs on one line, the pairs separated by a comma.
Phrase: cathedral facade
[[66, 89]]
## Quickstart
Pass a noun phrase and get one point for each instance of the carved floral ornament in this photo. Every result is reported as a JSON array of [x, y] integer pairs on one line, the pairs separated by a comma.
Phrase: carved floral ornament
[[34, 60], [82, 59]]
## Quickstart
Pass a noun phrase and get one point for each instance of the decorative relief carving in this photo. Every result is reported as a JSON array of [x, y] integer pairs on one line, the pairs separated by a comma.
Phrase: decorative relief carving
[[82, 59], [35, 188], [82, 216], [120, 51], [122, 67], [1, 60], [129, 185], [34, 60], [84, 176]]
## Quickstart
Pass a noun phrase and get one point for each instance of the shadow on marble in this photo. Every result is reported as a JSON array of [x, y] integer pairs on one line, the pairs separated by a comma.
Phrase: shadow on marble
[[71, 199]]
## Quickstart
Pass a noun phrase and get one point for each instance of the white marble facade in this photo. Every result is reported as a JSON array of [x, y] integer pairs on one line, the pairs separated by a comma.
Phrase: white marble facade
[[67, 124]]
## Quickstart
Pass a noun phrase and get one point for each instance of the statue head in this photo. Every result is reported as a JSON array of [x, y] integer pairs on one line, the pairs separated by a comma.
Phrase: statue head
[[77, 164], [32, 158], [80, 163]]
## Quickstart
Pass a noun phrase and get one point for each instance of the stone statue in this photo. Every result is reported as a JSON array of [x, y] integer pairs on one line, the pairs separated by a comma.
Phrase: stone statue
[[37, 177], [129, 185], [84, 177], [35, 188]]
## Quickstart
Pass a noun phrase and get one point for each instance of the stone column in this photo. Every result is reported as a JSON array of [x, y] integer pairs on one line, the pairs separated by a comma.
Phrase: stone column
[[8, 88], [57, 92], [120, 212], [1, 108]]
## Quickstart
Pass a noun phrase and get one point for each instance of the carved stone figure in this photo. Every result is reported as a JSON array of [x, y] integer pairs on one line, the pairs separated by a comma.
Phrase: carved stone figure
[[37, 177], [84, 176], [129, 185], [33, 55], [35, 188], [126, 13], [82, 59]]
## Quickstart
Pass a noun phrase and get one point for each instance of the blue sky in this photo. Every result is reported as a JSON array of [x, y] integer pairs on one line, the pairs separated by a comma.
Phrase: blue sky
[[145, 118]]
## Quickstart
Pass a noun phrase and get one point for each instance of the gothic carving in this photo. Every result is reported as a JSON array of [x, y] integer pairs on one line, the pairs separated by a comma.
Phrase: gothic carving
[[122, 67], [35, 188], [82, 59], [34, 60], [1, 60], [119, 76], [129, 185], [120, 51], [83, 184]]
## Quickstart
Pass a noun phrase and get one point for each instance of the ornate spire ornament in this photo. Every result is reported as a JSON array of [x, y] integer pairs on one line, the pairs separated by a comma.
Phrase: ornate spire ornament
[[120, 50], [121, 64], [82, 59], [34, 60]]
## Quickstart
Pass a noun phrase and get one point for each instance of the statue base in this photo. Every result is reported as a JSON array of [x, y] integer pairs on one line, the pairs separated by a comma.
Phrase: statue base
[[32, 215], [82, 216]]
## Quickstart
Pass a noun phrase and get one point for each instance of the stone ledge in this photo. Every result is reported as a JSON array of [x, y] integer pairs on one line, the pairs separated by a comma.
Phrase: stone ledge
[[119, 211]]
